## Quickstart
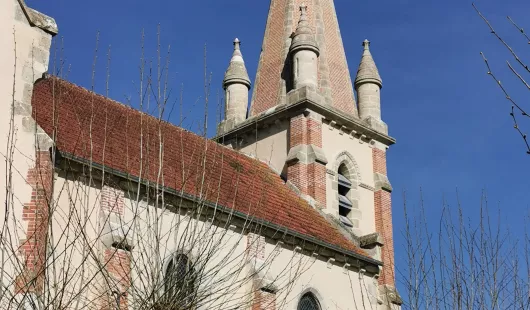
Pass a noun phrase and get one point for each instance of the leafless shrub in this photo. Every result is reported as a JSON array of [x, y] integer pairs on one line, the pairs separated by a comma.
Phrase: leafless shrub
[[464, 263]]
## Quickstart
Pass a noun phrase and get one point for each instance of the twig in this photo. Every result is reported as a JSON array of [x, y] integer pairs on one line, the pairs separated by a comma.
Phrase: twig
[[523, 135], [518, 75], [521, 30], [501, 39], [514, 104]]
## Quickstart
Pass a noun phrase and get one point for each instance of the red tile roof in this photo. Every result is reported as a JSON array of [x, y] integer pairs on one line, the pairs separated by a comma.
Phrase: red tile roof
[[114, 132]]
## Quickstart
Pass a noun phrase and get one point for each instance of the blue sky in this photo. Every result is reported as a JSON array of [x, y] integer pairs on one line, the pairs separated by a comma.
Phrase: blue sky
[[451, 122]]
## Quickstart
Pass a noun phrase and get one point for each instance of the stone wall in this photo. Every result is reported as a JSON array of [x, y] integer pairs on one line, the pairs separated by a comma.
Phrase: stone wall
[[26, 180]]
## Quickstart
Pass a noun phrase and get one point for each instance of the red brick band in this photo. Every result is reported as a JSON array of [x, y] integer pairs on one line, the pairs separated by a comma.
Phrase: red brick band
[[36, 214], [264, 300], [118, 265], [379, 159], [383, 220], [309, 178], [305, 130], [255, 246], [383, 223], [117, 261]]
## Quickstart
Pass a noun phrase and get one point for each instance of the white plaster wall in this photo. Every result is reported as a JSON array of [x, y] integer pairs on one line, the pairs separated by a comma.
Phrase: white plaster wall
[[335, 287], [73, 240], [220, 250], [271, 146], [293, 273], [158, 234], [334, 143]]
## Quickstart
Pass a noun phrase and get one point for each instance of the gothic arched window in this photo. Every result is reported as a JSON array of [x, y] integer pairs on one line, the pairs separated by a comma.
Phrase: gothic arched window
[[345, 205], [179, 284], [308, 302]]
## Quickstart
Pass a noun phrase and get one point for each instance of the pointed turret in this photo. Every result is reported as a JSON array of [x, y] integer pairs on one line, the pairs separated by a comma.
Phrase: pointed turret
[[304, 51], [367, 72], [368, 84], [236, 84]]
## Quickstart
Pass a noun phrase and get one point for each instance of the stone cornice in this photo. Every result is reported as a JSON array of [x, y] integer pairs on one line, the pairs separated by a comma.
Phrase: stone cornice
[[302, 99], [37, 19]]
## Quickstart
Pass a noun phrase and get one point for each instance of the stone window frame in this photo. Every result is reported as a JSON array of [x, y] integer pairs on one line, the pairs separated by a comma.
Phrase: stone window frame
[[191, 259], [315, 293], [354, 176]]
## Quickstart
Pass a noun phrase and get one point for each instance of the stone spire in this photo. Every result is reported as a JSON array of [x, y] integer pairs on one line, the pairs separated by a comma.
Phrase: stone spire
[[303, 38], [304, 51], [236, 72], [236, 85], [367, 72], [368, 84], [317, 30]]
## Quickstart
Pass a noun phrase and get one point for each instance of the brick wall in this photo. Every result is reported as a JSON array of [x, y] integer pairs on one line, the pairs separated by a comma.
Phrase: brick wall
[[379, 160], [261, 299], [118, 265], [305, 130], [117, 261], [264, 300], [255, 246], [339, 79], [309, 177], [383, 220], [36, 213], [266, 94], [112, 200]]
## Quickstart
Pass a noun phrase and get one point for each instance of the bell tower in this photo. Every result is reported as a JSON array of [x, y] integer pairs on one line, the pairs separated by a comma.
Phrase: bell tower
[[305, 123]]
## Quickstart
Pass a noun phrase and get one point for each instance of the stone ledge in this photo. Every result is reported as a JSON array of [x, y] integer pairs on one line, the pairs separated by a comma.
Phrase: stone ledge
[[389, 295], [381, 182], [377, 124], [366, 186], [304, 93], [115, 231], [305, 99], [306, 154], [225, 126], [371, 240]]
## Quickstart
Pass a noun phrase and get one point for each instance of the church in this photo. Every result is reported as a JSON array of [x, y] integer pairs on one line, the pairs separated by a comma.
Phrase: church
[[287, 207]]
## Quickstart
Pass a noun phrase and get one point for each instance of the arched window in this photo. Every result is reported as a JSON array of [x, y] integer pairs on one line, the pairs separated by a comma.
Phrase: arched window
[[308, 302], [345, 205], [179, 284]]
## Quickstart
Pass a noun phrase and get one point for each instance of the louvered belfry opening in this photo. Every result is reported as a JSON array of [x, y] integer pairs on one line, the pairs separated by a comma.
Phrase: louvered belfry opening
[[345, 204]]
